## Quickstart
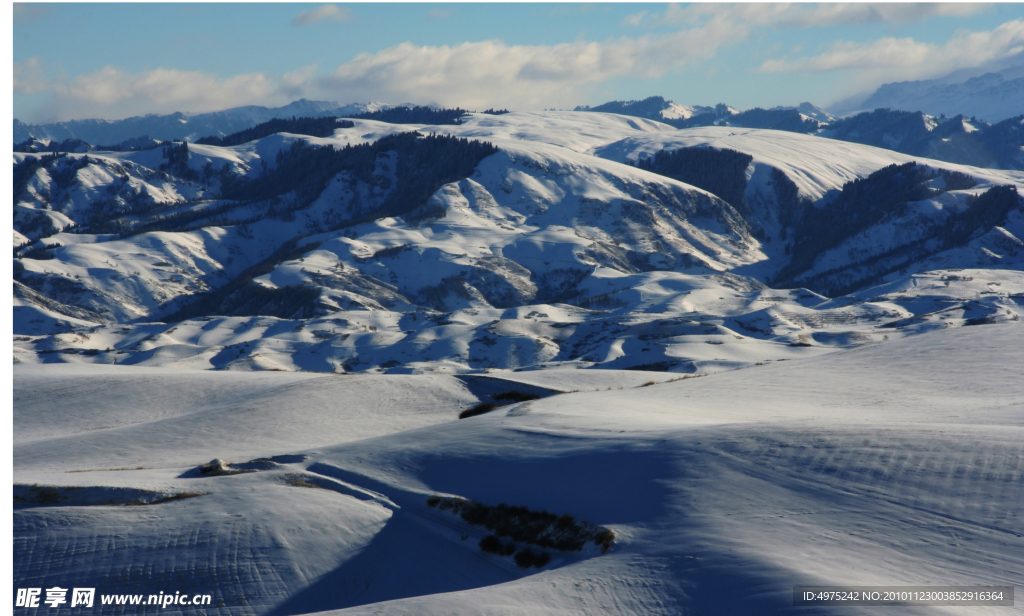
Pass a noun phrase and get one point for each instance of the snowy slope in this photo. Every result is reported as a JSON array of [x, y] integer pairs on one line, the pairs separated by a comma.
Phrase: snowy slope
[[892, 463], [816, 165], [819, 168]]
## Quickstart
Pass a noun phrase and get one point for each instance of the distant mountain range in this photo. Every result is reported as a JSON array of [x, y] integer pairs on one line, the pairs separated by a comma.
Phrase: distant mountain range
[[959, 139], [184, 126], [992, 97], [956, 139], [685, 116], [656, 108]]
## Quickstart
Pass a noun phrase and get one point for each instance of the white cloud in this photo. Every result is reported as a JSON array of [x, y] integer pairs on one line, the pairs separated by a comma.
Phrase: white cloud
[[893, 59], [488, 73], [29, 77], [439, 14], [112, 93], [27, 11], [324, 12], [473, 74], [814, 15], [635, 19], [296, 84]]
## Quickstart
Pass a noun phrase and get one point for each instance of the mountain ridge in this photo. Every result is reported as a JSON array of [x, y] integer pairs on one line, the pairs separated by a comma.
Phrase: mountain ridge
[[186, 126]]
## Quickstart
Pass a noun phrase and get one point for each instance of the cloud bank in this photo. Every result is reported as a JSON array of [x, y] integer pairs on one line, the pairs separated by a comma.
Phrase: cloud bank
[[474, 75], [895, 59], [489, 73], [492, 73]]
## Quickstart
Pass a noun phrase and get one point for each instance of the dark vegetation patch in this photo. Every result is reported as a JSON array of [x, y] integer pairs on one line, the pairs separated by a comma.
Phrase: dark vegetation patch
[[984, 211], [255, 300], [789, 120], [35, 225], [1003, 142], [166, 499], [527, 558], [435, 295], [31, 296], [383, 253], [506, 398], [68, 145], [791, 204], [883, 195], [480, 409], [80, 496], [650, 107], [72, 144], [515, 395], [559, 285], [424, 164], [300, 481], [301, 174], [314, 127], [778, 119], [721, 172], [604, 301], [538, 528], [41, 252], [992, 145], [493, 545], [26, 170], [225, 299], [861, 204], [176, 161], [415, 115]]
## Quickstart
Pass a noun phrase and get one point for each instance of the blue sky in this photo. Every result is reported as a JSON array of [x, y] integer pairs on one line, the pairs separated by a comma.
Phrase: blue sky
[[116, 60]]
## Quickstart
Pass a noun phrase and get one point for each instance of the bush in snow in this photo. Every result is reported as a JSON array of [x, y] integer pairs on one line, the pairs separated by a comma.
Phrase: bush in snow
[[540, 528], [515, 396], [479, 409], [528, 558]]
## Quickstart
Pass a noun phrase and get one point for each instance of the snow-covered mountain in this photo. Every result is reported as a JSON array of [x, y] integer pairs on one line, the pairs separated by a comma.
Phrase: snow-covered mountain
[[551, 251], [992, 97], [655, 108], [811, 111], [186, 126]]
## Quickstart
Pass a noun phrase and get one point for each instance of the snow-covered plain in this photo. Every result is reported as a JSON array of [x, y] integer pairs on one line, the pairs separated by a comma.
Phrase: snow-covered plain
[[891, 463]]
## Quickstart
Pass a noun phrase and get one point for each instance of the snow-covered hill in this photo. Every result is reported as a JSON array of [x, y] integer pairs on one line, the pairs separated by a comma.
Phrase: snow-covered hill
[[894, 463], [811, 111]]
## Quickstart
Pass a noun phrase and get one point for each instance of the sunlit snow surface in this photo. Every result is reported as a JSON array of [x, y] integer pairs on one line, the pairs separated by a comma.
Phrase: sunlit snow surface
[[891, 463]]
